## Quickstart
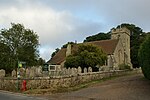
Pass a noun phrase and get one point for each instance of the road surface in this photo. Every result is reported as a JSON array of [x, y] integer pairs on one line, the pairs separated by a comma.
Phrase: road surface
[[134, 87], [16, 96]]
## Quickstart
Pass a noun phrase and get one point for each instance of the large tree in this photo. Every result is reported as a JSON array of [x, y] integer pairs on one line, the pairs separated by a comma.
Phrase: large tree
[[87, 55], [144, 56], [18, 44], [99, 36]]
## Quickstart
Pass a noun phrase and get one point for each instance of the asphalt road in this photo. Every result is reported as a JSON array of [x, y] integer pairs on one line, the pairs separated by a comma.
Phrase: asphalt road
[[16, 96]]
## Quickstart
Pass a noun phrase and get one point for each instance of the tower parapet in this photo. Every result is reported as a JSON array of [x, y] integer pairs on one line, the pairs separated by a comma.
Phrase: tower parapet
[[115, 33]]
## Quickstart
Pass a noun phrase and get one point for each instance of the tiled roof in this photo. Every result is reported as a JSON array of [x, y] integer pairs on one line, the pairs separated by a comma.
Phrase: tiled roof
[[108, 46], [59, 57]]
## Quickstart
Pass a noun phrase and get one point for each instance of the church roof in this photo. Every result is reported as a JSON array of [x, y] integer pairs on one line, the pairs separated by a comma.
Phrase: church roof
[[108, 46], [59, 57]]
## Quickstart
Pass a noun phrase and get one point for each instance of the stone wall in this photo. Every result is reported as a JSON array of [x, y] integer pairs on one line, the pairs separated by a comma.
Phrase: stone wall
[[11, 84]]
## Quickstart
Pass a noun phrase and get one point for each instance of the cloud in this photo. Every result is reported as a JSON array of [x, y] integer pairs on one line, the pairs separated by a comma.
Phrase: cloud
[[59, 21], [54, 28]]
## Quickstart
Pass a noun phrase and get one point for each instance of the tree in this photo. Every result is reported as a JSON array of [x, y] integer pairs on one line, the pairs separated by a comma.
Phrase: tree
[[87, 55], [144, 57], [65, 45], [54, 53], [99, 36], [21, 44], [40, 61], [57, 49]]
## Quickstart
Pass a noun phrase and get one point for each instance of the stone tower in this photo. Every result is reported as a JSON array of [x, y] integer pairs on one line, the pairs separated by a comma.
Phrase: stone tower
[[123, 34]]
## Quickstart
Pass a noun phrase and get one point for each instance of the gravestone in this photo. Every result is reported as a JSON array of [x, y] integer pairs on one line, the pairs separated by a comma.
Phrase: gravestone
[[32, 72], [69, 71], [13, 73], [27, 72], [89, 69], [79, 70], [22, 72], [38, 71], [85, 70], [2, 73]]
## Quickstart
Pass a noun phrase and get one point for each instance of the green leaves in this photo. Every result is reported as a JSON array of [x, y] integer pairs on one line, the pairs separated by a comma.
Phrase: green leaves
[[86, 56], [99, 36], [21, 43], [144, 56]]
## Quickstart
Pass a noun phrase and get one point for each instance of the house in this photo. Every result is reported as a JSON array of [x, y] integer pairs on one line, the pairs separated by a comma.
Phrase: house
[[117, 50]]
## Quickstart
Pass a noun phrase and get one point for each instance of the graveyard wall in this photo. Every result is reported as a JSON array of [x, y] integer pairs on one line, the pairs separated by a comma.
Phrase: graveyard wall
[[11, 84]]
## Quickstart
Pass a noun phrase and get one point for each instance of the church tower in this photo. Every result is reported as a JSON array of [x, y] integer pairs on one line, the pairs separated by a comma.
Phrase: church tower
[[123, 34]]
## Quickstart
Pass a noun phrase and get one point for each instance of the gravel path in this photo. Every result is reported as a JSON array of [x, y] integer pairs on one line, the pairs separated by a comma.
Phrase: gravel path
[[133, 87]]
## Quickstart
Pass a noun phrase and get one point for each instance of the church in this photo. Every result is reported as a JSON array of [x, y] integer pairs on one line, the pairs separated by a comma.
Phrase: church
[[117, 49]]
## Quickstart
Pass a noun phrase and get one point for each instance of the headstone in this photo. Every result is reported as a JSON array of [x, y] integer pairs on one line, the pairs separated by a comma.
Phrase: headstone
[[64, 71], [32, 72], [27, 72], [2, 73], [38, 71], [79, 70], [76, 71], [13, 73], [89, 69], [69, 71], [100, 69], [22, 72], [73, 71], [85, 70]]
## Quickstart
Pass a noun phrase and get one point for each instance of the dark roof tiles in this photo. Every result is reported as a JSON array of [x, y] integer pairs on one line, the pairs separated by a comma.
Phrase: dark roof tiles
[[108, 46]]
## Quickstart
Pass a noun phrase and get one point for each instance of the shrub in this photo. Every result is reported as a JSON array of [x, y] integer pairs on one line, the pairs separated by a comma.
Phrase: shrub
[[144, 57]]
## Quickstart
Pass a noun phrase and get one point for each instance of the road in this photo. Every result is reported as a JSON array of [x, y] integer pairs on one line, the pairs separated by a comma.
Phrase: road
[[17, 96], [134, 87]]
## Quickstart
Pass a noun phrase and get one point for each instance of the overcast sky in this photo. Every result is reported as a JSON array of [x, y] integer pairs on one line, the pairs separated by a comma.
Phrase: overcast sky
[[59, 21]]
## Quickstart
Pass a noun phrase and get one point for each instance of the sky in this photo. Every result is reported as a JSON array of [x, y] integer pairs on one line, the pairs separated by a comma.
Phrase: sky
[[60, 21]]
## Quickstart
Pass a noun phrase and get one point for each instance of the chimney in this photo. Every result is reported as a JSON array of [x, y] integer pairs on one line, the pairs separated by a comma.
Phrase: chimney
[[68, 52]]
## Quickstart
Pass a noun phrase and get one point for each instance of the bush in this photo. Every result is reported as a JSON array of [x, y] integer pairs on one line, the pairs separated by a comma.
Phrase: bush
[[144, 57], [124, 66]]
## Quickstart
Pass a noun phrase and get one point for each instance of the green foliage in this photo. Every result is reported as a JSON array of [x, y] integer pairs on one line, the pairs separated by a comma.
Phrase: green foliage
[[57, 49], [54, 53], [144, 56], [65, 45], [40, 61], [124, 66], [99, 36], [18, 44], [86, 56]]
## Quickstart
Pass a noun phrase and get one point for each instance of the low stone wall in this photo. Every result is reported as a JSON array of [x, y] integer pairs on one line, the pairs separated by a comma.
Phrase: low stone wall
[[11, 84]]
